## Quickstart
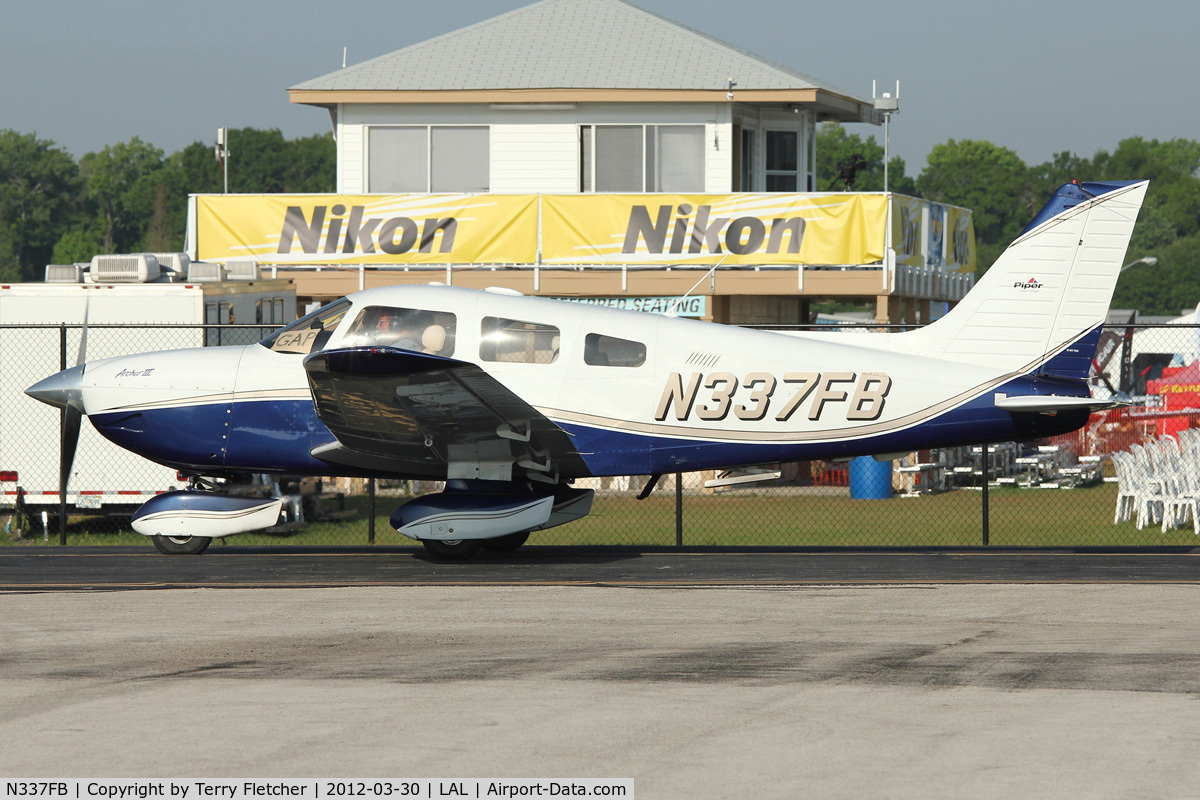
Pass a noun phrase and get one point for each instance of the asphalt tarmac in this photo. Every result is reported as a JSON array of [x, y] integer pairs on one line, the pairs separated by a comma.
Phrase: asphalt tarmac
[[60, 568], [710, 674]]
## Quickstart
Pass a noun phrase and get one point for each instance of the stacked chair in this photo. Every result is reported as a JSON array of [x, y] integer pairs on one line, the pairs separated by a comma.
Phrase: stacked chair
[[1159, 483]]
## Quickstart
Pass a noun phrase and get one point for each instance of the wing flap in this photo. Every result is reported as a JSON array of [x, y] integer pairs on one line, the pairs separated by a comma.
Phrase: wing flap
[[423, 415]]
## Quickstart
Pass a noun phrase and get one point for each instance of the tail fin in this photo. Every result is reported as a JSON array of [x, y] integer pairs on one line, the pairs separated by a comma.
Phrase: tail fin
[[1043, 301]]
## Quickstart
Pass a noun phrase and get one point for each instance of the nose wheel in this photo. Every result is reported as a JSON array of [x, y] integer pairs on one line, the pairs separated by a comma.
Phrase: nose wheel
[[181, 545]]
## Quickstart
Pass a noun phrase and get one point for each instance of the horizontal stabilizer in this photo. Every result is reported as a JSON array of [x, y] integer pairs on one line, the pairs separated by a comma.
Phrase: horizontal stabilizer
[[1052, 404]]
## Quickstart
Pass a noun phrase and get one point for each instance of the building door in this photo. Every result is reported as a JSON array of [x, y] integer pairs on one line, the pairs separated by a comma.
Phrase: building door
[[783, 150]]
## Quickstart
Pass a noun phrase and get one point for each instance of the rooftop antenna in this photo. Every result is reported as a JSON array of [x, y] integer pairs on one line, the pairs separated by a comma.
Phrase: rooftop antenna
[[887, 105], [223, 153]]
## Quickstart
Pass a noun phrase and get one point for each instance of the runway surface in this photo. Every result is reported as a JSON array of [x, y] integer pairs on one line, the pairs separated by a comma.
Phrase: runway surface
[[707, 674], [54, 568]]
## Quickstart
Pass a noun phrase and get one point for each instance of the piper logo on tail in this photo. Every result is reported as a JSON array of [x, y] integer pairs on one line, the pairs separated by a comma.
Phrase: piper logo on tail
[[1032, 283]]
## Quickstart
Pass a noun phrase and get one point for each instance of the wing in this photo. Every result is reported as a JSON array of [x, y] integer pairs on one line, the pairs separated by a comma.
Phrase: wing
[[421, 415]]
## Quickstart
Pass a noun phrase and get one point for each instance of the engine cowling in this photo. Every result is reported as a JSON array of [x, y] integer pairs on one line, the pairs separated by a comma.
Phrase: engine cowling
[[190, 513]]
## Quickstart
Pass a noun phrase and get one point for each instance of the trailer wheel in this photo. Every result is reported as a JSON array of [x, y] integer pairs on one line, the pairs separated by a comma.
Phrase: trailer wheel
[[506, 544], [452, 549], [181, 545]]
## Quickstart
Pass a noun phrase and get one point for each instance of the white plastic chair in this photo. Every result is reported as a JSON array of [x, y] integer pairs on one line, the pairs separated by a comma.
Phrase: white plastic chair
[[1127, 496]]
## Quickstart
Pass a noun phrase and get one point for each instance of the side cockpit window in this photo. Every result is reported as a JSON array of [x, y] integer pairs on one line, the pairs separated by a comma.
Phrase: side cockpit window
[[516, 341], [418, 330], [609, 351], [310, 333]]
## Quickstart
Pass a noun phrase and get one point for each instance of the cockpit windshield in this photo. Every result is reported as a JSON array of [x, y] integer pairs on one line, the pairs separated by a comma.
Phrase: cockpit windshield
[[311, 332]]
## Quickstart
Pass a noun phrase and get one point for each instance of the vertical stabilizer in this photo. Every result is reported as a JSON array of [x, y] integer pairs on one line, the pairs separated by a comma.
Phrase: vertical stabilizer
[[1050, 288]]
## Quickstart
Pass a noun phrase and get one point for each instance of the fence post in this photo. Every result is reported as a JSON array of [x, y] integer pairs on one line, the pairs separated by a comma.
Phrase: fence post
[[371, 511], [62, 430], [986, 479], [679, 509]]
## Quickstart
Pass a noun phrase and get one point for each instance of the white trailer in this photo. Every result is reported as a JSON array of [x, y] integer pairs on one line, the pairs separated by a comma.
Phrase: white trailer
[[35, 321]]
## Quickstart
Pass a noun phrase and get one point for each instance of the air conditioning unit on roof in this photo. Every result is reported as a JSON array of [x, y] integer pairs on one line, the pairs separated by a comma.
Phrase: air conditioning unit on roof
[[205, 272], [64, 273], [242, 270], [125, 268], [176, 262]]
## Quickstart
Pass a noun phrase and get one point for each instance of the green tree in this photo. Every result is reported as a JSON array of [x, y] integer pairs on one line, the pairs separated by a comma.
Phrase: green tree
[[312, 164], [80, 243], [992, 181], [1168, 226], [122, 180], [263, 161], [39, 200], [835, 145]]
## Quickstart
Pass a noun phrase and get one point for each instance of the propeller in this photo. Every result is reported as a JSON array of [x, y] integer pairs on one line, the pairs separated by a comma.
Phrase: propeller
[[72, 415]]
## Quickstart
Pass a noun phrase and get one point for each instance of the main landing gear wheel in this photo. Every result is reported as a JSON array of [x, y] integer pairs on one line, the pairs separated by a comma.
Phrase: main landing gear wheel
[[452, 549], [506, 544], [182, 545]]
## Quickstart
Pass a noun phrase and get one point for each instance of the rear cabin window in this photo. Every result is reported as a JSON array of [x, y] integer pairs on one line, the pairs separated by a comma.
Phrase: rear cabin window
[[309, 333], [407, 328], [516, 341], [609, 351]]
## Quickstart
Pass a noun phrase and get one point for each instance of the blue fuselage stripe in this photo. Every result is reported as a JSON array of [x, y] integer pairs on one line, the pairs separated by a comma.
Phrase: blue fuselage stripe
[[278, 436]]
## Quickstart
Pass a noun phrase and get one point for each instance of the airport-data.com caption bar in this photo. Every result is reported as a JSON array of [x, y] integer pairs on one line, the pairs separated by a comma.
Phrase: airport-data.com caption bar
[[142, 789]]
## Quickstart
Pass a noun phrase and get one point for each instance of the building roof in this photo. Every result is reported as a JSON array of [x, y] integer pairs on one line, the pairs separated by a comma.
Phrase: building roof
[[557, 50]]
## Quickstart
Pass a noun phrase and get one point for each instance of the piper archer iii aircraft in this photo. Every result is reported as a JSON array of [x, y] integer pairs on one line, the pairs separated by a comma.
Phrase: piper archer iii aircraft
[[509, 399]]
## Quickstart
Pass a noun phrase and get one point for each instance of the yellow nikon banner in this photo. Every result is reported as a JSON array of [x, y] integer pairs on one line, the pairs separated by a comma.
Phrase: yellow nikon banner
[[932, 234], [906, 230], [707, 229], [960, 240], [372, 229]]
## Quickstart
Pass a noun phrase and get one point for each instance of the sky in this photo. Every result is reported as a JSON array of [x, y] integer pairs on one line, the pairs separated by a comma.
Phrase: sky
[[1036, 77]]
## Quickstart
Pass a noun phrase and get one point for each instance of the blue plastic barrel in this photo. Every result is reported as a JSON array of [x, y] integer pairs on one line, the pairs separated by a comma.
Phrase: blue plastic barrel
[[870, 479]]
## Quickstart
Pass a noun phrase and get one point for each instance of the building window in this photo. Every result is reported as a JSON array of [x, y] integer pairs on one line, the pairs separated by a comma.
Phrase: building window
[[428, 158], [641, 158], [782, 160]]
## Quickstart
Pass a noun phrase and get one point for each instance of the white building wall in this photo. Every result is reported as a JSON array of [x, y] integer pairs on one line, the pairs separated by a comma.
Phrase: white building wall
[[527, 159], [350, 178], [534, 150]]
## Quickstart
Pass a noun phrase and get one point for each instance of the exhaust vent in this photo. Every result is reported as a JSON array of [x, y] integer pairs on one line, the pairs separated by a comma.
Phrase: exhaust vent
[[125, 268], [64, 273], [205, 272]]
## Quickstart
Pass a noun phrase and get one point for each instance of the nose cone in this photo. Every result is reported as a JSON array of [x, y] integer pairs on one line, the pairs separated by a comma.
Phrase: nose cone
[[62, 389]]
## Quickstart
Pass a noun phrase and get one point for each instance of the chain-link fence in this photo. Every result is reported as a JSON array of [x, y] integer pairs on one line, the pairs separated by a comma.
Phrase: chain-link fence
[[1131, 476]]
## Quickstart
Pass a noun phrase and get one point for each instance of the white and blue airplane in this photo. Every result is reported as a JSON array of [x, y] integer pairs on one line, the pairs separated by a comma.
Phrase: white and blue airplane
[[509, 399]]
